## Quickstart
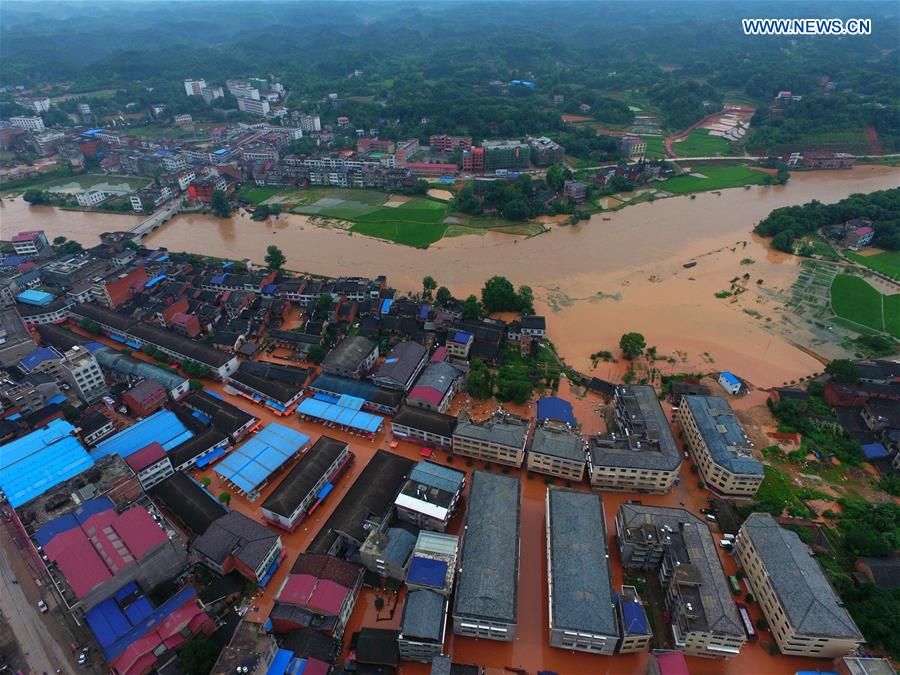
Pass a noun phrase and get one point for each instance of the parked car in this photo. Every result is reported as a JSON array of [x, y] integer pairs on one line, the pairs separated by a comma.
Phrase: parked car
[[43, 607]]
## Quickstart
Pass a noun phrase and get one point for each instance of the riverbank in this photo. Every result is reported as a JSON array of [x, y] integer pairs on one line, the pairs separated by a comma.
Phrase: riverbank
[[617, 272]]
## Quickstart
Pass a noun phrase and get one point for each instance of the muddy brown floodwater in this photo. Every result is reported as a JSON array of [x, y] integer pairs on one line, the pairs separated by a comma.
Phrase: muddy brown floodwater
[[618, 272]]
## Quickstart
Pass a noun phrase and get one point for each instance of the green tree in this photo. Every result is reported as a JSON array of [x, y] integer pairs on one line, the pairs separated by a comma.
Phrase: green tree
[[428, 286], [274, 257], [525, 300], [220, 205], [443, 295], [90, 326], [556, 177], [225, 498], [198, 656], [842, 370], [323, 303], [466, 201], [59, 241], [498, 295], [206, 481], [517, 209], [632, 345], [316, 353], [471, 308], [480, 382], [196, 385]]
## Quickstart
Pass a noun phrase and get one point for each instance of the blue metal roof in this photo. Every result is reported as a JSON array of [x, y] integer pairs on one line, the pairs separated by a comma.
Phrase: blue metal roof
[[250, 464], [33, 297], [335, 412], [39, 356], [555, 408], [164, 427], [427, 572], [281, 662], [874, 451], [435, 475], [634, 617], [155, 280], [730, 378], [461, 336], [386, 305], [36, 463]]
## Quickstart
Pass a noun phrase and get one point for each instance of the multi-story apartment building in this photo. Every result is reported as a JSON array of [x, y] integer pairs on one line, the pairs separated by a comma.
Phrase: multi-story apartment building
[[429, 498], [720, 447], [242, 89], [259, 152], [633, 147], [486, 602], [423, 626], [703, 618], [445, 143], [508, 155], [194, 87], [545, 151], [254, 106], [473, 159], [83, 374], [580, 595], [636, 633], [37, 104], [308, 122], [557, 452], [210, 94], [641, 455], [30, 242], [499, 439], [27, 123], [90, 198], [802, 610], [406, 150], [364, 145], [421, 425]]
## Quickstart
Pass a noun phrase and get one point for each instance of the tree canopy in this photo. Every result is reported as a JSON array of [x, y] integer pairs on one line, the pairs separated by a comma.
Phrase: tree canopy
[[632, 345], [275, 259]]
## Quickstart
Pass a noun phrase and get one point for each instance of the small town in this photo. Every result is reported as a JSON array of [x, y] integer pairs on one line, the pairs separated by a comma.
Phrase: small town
[[435, 338]]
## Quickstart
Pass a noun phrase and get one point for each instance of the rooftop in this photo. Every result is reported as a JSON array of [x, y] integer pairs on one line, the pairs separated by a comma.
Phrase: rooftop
[[489, 567], [163, 427], [565, 445], [582, 595], [188, 501], [500, 430], [426, 420], [423, 616], [349, 354], [249, 465], [401, 363], [811, 605], [236, 534], [723, 434], [312, 466]]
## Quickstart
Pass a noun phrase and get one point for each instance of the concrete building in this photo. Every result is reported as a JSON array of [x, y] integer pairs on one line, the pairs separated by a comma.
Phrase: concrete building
[[635, 627], [633, 147], [445, 143], [402, 366], [423, 626], [641, 454], [486, 599], [27, 123], [581, 608], [506, 155], [575, 191], [429, 498], [254, 106], [30, 242], [720, 447], [436, 387], [500, 439], [432, 564], [37, 104], [428, 427], [557, 452], [15, 341], [353, 357], [545, 152], [84, 375], [152, 465], [235, 542], [145, 398], [803, 611], [679, 546], [387, 552], [194, 87]]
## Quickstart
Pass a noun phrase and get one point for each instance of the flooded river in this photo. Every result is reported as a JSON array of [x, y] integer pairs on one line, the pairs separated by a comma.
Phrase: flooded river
[[617, 272]]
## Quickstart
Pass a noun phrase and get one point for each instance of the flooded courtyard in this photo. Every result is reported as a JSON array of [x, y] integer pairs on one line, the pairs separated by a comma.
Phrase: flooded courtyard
[[619, 272]]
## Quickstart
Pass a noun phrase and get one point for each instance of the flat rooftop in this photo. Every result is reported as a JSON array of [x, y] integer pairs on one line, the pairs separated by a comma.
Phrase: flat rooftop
[[723, 434], [294, 488]]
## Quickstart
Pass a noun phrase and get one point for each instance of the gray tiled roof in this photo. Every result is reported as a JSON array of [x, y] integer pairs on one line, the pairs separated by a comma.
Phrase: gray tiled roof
[[438, 476], [812, 606], [439, 376], [349, 354], [489, 567], [235, 533], [558, 444], [401, 363], [580, 574], [723, 434], [501, 433], [423, 615]]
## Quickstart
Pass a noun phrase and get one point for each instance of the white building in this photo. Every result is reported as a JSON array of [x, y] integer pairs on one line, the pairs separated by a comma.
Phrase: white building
[[91, 197], [29, 123], [194, 87], [310, 122], [212, 93], [183, 119], [84, 375], [136, 205], [242, 89], [38, 104], [254, 106]]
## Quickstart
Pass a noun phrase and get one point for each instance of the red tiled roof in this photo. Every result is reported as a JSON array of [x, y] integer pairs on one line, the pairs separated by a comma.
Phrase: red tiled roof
[[328, 597], [860, 231], [429, 394], [297, 589], [140, 460]]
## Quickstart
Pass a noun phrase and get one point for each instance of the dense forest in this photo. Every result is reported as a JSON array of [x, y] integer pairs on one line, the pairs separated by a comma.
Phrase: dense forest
[[415, 69], [788, 223]]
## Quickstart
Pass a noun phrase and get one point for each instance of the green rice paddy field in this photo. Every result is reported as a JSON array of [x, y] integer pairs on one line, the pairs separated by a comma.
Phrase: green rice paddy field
[[699, 143], [887, 262], [852, 298], [711, 177]]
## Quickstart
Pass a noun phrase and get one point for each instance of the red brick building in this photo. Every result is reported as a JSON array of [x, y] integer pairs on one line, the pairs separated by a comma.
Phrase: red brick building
[[364, 145], [445, 143], [473, 160], [145, 398]]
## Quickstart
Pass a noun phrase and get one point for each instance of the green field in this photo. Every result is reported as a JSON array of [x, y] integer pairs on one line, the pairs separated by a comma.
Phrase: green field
[[656, 147], [717, 178], [700, 144], [887, 263], [852, 298]]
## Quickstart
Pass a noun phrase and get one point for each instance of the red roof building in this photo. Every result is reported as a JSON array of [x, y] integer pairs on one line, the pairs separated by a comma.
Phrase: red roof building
[[186, 324], [145, 398], [123, 288]]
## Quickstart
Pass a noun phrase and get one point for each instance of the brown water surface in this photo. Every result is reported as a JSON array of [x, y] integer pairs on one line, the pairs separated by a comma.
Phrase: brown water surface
[[618, 272]]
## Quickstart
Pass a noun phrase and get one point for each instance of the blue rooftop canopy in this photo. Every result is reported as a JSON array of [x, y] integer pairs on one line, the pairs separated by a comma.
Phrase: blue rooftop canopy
[[556, 409]]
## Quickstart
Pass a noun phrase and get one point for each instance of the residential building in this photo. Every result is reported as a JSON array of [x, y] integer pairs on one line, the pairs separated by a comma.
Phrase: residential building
[[719, 446], [499, 439], [445, 143], [254, 106], [194, 87], [580, 596], [860, 665], [27, 123], [545, 152], [803, 612], [251, 650], [145, 398], [506, 155], [401, 366], [151, 464], [575, 191], [406, 150], [30, 243], [731, 383], [308, 483], [667, 662], [236, 542], [353, 357], [37, 104], [534, 326], [15, 341], [82, 372], [473, 159], [210, 94], [191, 504], [386, 552], [633, 147], [242, 89], [829, 160], [641, 453], [432, 564], [308, 122], [459, 343], [486, 600], [424, 426], [557, 451], [367, 145], [635, 627], [703, 618], [423, 626], [94, 427], [429, 498], [436, 387]]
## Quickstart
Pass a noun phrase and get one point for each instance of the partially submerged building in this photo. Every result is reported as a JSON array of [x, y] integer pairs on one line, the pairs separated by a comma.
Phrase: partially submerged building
[[486, 599], [499, 439], [429, 498]]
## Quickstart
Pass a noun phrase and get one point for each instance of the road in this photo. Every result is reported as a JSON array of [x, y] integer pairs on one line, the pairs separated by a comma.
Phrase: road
[[18, 601]]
